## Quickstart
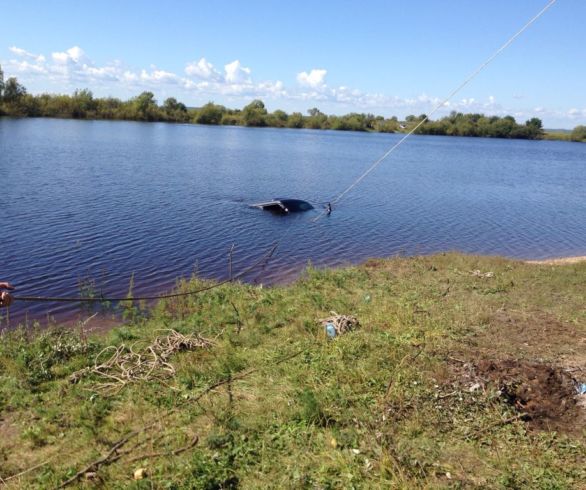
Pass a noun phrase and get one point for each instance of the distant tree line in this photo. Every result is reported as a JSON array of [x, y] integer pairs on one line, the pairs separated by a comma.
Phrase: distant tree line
[[15, 101]]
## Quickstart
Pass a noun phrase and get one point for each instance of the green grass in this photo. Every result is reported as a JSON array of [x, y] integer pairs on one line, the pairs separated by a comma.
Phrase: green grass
[[379, 407]]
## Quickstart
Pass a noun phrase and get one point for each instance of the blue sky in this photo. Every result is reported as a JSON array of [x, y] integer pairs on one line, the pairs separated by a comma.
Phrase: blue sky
[[386, 57]]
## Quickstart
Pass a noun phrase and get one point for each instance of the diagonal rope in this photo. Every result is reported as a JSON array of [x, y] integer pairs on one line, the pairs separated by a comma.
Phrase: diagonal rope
[[440, 105], [267, 256]]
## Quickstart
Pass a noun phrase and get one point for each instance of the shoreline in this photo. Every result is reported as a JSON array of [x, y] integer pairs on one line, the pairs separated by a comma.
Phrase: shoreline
[[547, 136], [104, 322], [443, 351]]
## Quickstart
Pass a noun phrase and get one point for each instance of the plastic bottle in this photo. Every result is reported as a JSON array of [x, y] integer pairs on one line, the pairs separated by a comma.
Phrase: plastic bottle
[[330, 330]]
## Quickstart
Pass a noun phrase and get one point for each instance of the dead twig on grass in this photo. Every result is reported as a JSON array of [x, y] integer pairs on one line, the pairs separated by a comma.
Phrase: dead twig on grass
[[110, 457], [114, 453], [409, 357], [175, 452], [241, 375], [461, 361], [519, 416], [24, 472], [238, 321]]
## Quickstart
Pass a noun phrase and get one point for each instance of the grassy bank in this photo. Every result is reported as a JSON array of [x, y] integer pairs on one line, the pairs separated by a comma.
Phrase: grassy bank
[[460, 375]]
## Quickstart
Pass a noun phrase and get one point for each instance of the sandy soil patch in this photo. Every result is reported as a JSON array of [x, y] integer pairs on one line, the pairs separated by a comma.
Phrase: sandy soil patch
[[559, 261]]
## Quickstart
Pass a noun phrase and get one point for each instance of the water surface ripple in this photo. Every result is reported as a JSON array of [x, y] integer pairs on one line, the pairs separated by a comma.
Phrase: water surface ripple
[[105, 200]]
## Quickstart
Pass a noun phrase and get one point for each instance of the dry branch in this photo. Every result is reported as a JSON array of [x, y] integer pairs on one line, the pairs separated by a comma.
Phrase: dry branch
[[24, 472], [175, 452], [110, 457], [114, 454]]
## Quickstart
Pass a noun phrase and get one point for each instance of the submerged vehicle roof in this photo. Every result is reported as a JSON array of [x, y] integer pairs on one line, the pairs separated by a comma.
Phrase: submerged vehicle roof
[[284, 205], [295, 204]]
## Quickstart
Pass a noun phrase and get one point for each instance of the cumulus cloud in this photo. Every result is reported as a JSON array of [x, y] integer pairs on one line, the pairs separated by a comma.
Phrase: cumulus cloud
[[314, 79], [26, 67], [158, 76], [73, 68], [575, 113], [72, 55], [104, 73], [235, 81], [236, 73], [23, 53], [203, 70]]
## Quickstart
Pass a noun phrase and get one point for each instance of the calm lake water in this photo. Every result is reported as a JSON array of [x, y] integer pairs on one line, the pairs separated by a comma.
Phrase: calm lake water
[[100, 201]]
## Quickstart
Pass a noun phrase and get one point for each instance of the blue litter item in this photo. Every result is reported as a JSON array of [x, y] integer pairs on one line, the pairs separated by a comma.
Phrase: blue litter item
[[582, 389], [331, 330]]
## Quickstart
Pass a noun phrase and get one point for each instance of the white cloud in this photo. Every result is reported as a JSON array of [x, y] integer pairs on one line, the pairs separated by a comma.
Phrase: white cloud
[[129, 77], [235, 82], [105, 73], [201, 80], [76, 54], [23, 53], [203, 69], [236, 73], [26, 67], [72, 55], [574, 113], [61, 58], [314, 79], [158, 76]]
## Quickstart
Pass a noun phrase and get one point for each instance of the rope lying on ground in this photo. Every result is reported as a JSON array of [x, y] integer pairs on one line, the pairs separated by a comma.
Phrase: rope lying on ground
[[127, 365], [342, 323]]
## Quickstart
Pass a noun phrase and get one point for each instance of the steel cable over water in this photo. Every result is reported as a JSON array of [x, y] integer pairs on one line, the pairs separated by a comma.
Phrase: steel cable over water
[[439, 106], [267, 256]]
